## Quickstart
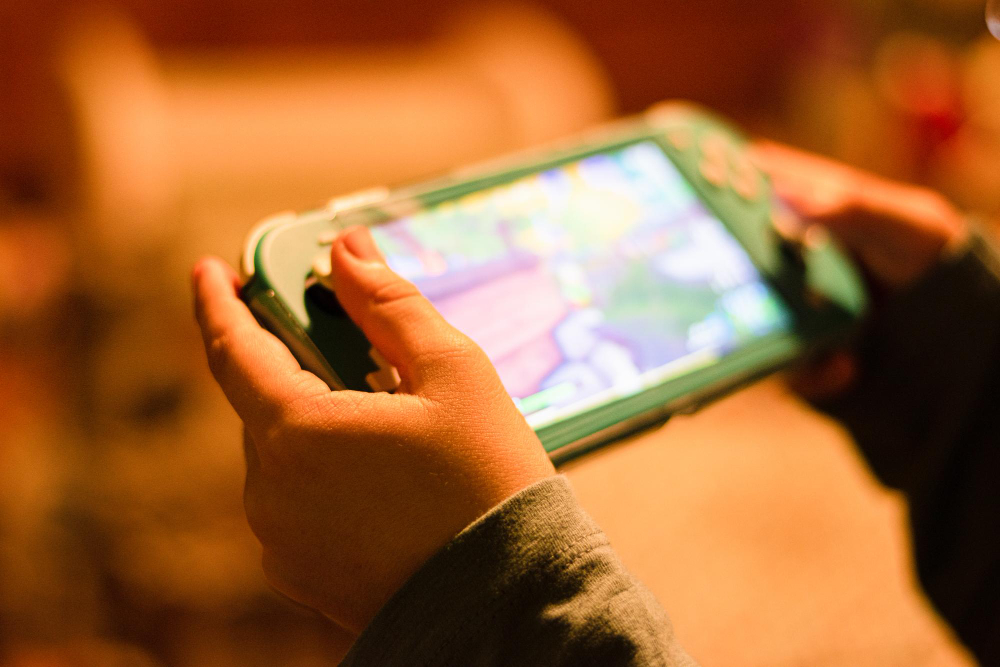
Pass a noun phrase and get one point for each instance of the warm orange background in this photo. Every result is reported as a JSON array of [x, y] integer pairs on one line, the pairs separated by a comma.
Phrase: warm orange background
[[137, 135]]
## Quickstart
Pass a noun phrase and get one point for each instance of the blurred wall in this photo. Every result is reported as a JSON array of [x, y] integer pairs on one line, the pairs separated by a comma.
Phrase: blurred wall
[[722, 52]]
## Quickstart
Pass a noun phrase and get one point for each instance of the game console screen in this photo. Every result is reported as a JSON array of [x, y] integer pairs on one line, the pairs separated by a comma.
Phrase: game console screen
[[588, 282]]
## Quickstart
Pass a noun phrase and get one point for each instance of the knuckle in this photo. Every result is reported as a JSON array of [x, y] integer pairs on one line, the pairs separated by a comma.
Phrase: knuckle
[[394, 291], [218, 353], [457, 361], [455, 349]]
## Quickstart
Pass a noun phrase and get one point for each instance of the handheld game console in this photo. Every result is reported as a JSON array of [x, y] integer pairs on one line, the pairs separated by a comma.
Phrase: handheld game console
[[631, 273]]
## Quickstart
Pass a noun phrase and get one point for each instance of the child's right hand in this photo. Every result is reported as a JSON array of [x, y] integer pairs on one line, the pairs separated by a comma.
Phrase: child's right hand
[[897, 232]]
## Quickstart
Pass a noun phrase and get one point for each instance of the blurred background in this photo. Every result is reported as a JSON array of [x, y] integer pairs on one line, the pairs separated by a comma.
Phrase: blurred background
[[136, 135]]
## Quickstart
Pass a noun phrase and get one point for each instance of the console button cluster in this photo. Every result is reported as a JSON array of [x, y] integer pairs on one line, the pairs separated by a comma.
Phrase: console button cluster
[[724, 165]]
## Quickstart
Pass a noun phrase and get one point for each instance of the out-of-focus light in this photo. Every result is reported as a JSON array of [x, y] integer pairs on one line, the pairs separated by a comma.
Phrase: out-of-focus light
[[993, 17], [918, 74]]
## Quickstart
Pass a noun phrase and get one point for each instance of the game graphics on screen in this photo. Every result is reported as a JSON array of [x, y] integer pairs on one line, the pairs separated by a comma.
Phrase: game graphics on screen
[[588, 282]]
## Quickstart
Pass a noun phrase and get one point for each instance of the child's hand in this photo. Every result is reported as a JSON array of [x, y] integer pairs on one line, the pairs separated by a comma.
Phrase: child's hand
[[349, 492], [897, 232]]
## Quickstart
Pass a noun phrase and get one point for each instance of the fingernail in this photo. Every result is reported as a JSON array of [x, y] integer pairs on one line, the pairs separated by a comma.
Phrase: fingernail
[[359, 242]]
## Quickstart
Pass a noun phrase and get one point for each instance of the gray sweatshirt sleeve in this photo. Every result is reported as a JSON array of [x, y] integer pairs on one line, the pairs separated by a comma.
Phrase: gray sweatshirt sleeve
[[926, 415], [533, 582]]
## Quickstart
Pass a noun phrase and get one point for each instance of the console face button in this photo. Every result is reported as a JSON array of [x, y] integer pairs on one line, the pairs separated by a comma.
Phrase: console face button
[[787, 225], [680, 138], [746, 179], [816, 236], [714, 173], [714, 165]]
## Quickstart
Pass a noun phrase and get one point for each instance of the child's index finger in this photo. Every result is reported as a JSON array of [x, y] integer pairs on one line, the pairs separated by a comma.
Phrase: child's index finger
[[255, 370]]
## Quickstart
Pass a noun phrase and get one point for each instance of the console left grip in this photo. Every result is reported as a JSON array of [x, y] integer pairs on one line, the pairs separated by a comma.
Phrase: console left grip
[[272, 314]]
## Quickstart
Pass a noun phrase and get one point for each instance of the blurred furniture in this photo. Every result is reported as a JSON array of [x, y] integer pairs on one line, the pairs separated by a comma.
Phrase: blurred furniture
[[186, 148]]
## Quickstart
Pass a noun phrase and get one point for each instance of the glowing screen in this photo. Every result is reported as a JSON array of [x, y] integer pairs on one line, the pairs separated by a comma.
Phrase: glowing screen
[[587, 282]]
